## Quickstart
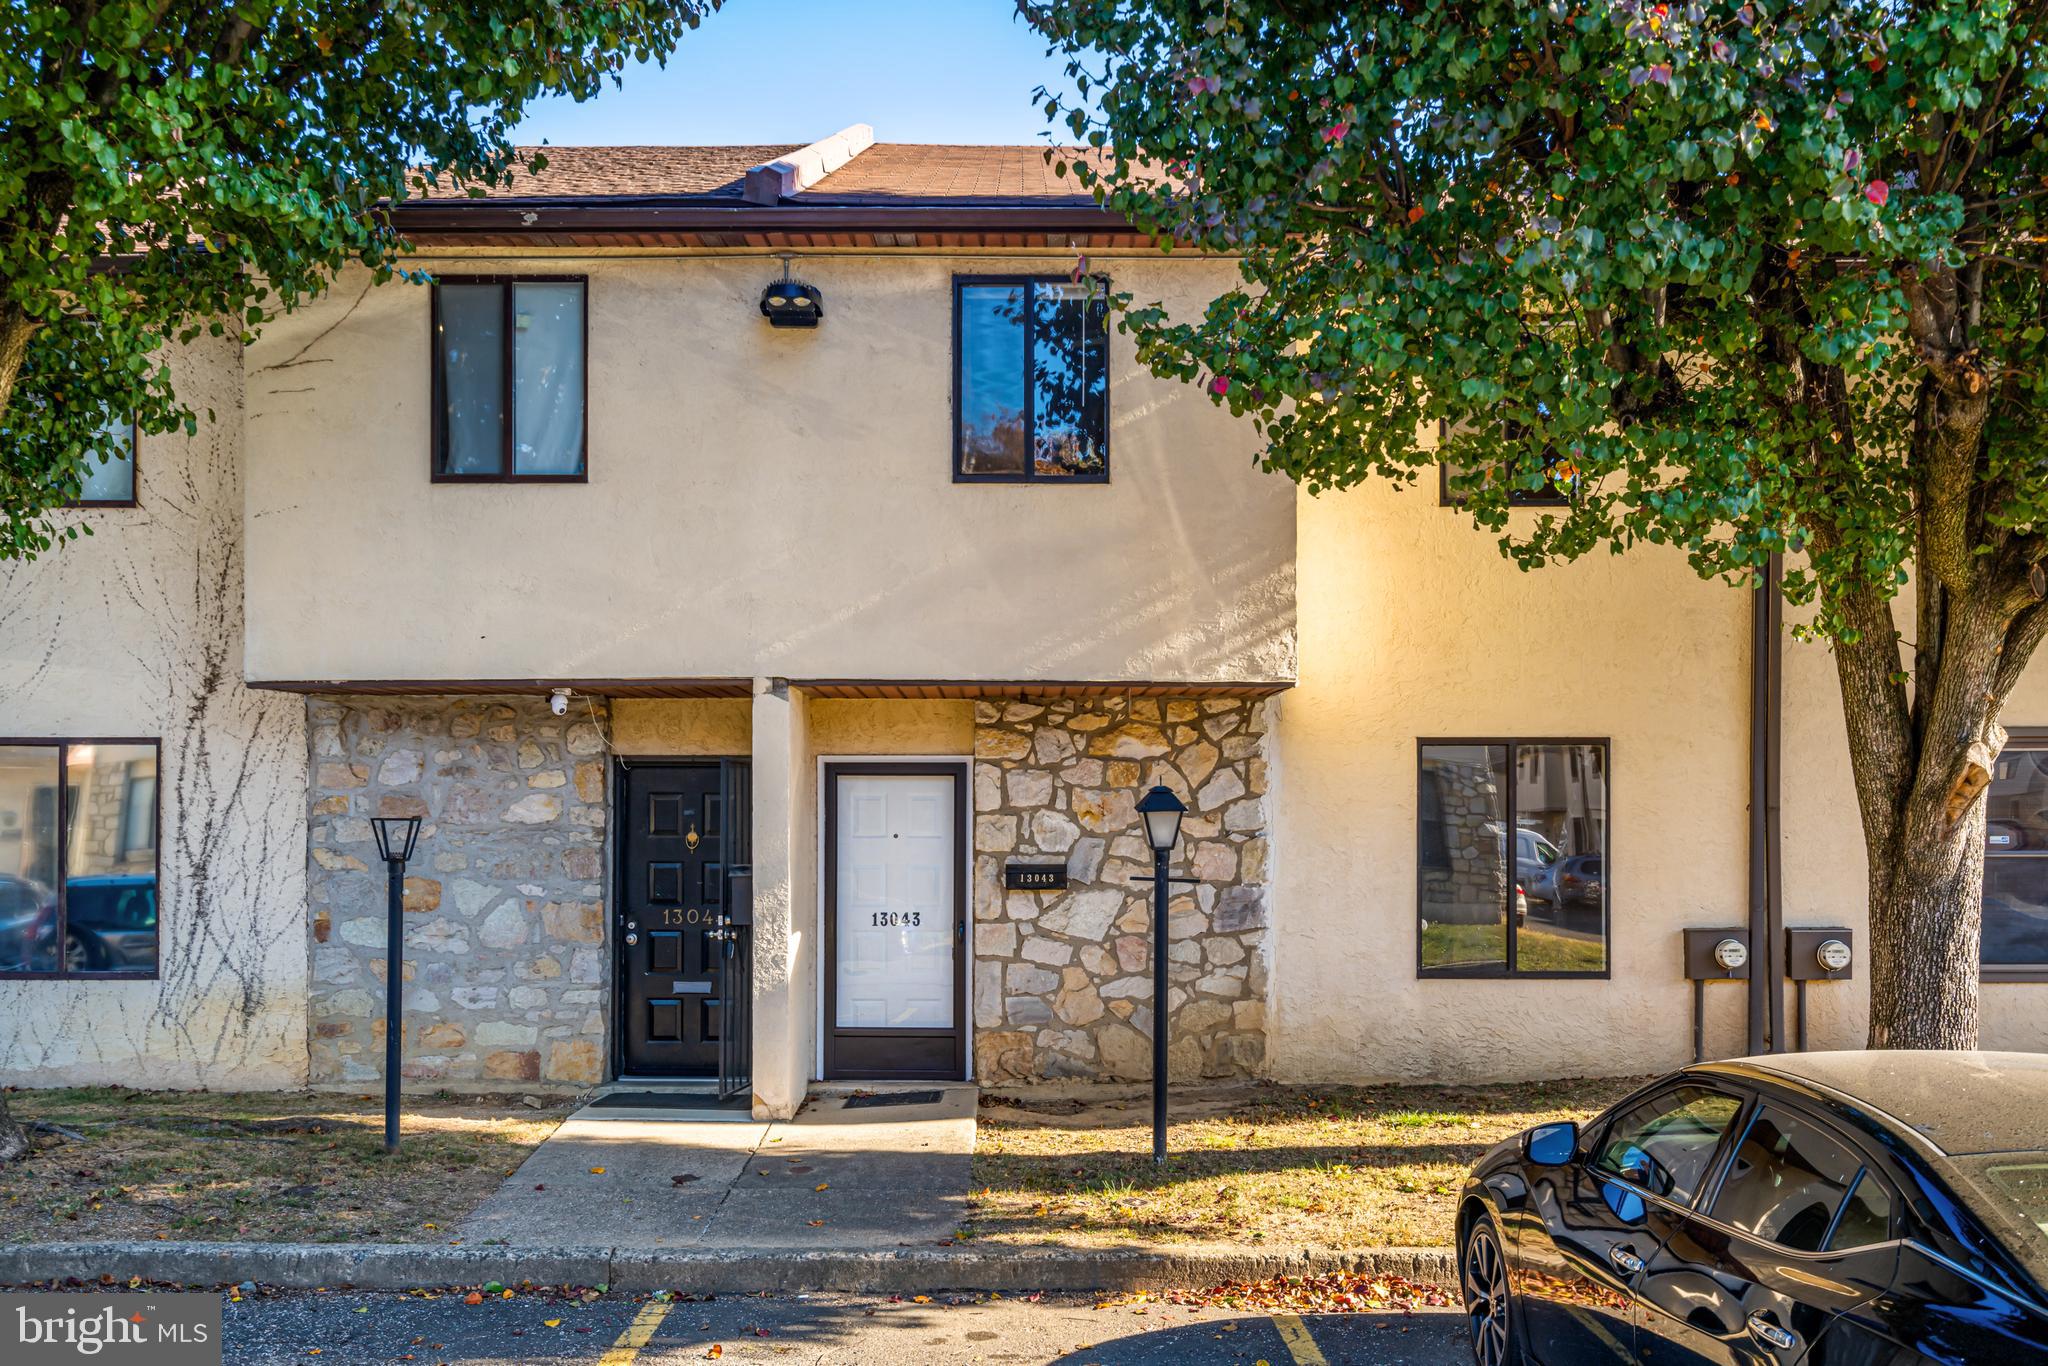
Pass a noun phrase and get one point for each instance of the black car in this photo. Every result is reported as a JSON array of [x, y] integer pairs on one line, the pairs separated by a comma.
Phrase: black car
[[1876, 1208]]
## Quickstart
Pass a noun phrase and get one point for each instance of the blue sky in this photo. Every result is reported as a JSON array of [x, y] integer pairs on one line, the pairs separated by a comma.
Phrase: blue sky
[[796, 70]]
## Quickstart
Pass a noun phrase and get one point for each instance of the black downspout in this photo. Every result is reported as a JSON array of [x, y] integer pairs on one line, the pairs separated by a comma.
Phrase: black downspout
[[1766, 885]]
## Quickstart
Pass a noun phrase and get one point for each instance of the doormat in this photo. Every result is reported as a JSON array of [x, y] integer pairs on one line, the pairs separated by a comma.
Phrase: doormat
[[668, 1100], [894, 1098]]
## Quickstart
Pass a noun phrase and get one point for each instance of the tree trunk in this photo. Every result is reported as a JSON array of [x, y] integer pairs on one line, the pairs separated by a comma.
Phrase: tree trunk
[[16, 329], [1921, 775], [1926, 917], [13, 1141]]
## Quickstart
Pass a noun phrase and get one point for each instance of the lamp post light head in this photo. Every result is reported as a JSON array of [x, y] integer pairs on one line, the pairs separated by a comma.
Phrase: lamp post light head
[[396, 836], [1162, 812]]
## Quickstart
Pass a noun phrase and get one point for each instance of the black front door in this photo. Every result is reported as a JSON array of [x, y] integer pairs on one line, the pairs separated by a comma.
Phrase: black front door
[[674, 856]]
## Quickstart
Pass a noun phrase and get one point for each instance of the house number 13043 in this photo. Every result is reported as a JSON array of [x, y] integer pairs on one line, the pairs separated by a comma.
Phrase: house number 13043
[[889, 918]]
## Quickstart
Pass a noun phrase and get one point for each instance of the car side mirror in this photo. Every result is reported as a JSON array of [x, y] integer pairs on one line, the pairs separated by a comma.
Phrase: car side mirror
[[1552, 1145]]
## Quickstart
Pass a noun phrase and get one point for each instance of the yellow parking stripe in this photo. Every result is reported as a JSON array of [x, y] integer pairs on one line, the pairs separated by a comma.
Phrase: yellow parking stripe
[[1300, 1345], [639, 1331]]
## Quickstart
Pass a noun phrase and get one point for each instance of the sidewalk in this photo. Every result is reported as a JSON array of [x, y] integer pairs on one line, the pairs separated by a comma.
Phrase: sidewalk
[[860, 1180]]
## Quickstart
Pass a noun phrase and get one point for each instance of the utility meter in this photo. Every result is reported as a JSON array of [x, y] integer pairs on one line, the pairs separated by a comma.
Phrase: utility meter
[[1824, 953], [1717, 955]]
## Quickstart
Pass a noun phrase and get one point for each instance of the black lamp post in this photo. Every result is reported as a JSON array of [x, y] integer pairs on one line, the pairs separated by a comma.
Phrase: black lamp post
[[396, 836], [1162, 812]]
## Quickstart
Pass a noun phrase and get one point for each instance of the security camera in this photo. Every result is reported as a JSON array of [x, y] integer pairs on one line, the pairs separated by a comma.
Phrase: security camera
[[559, 702]]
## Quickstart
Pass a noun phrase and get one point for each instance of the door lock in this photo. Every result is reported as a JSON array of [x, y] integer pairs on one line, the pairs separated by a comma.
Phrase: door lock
[[632, 939], [1625, 1259]]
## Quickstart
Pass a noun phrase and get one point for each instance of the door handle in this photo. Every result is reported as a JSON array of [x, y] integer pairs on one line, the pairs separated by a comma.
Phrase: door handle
[[1769, 1333], [632, 939], [1625, 1259]]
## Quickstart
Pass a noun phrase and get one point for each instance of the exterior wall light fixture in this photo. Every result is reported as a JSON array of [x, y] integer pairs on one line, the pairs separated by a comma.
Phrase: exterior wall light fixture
[[792, 303]]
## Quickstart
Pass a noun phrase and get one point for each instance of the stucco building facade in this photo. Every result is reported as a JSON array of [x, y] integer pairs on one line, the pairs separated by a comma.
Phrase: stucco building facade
[[775, 699]]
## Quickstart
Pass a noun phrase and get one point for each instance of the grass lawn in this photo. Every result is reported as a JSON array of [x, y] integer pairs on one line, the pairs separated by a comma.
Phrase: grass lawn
[[1271, 1166], [1538, 948], [290, 1167]]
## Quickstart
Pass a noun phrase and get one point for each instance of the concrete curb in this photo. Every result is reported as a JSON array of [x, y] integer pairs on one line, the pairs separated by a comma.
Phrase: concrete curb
[[398, 1266]]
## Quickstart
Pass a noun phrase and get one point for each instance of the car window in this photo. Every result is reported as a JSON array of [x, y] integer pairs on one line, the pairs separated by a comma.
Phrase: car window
[[1786, 1181], [1866, 1219], [1664, 1143]]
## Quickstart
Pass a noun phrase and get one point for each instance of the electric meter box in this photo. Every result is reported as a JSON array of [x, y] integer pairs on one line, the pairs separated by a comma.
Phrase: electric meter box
[[1717, 955], [1824, 954]]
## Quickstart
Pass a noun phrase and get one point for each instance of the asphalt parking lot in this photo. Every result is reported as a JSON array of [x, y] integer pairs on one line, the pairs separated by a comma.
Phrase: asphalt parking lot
[[301, 1327]]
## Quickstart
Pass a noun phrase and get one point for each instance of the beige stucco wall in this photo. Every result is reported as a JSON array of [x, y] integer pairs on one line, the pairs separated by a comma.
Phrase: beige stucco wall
[[136, 631], [761, 502], [680, 728], [1412, 625]]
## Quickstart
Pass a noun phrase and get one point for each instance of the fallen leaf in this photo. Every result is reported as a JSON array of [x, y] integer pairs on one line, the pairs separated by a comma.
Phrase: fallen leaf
[[473, 1297], [552, 1323], [597, 1171], [921, 1299], [714, 1352], [822, 1185]]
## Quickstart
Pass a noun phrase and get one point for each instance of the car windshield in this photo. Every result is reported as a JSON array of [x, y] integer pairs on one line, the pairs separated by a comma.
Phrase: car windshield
[[2010, 1191]]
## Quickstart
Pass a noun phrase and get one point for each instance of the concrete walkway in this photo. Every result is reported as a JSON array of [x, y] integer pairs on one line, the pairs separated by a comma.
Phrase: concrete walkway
[[867, 1179]]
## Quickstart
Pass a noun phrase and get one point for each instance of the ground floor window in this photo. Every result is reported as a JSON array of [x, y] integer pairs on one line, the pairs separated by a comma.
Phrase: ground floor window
[[2016, 861], [78, 842], [1512, 858]]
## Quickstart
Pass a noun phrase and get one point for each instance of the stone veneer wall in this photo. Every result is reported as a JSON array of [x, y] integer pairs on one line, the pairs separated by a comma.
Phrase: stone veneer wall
[[1062, 981], [506, 966]]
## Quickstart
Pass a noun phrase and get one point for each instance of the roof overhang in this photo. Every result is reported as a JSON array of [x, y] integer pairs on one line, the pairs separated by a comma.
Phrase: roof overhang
[[695, 223], [872, 689]]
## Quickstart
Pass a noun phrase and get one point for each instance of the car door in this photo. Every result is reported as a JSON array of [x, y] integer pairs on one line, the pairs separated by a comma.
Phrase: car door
[[1796, 1231], [1579, 1254]]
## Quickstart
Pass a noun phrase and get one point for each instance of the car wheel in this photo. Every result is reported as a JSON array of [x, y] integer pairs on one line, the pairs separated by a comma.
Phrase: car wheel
[[78, 955], [1483, 1278]]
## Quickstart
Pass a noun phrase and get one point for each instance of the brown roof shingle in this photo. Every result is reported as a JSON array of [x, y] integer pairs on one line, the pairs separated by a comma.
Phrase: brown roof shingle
[[629, 173], [886, 173]]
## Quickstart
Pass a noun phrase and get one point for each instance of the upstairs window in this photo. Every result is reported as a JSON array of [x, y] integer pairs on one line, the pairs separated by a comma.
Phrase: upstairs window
[[1453, 481], [509, 379], [1030, 380], [108, 480], [78, 858]]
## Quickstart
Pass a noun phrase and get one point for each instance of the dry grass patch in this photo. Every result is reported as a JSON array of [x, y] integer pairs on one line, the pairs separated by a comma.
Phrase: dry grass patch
[[258, 1166], [1267, 1166]]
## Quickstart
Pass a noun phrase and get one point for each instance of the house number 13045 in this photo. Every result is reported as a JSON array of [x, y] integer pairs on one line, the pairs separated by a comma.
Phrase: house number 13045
[[888, 918]]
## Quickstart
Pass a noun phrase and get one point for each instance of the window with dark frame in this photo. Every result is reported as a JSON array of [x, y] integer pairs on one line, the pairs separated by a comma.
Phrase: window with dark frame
[[108, 479], [79, 829], [1030, 379], [510, 379], [1511, 858], [1556, 491], [2014, 944]]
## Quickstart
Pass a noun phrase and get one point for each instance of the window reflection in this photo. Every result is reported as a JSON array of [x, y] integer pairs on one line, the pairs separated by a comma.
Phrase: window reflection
[[1033, 380], [1463, 862], [110, 859], [2016, 858], [28, 858], [992, 379], [1553, 797], [78, 892], [109, 474]]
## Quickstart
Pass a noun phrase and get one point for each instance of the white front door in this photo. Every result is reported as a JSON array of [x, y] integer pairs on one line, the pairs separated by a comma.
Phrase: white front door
[[893, 999]]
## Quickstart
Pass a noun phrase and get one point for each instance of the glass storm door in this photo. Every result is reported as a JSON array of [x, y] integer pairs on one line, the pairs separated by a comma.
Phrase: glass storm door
[[895, 921]]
